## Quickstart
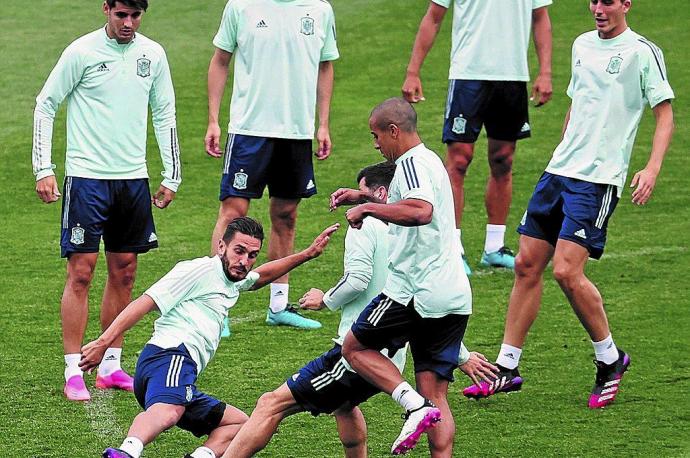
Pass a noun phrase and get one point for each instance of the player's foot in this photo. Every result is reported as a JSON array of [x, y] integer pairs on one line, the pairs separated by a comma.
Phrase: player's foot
[[507, 380], [466, 265], [226, 328], [75, 389], [417, 422], [290, 317], [504, 257], [608, 380], [119, 380], [115, 453]]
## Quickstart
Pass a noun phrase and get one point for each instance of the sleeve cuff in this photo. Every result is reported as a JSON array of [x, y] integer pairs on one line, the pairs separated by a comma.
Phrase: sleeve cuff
[[329, 302], [45, 173], [171, 185]]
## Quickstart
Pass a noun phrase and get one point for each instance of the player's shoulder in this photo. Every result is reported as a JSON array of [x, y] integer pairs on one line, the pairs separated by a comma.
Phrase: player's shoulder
[[644, 45], [85, 43], [372, 225], [586, 38], [323, 5], [149, 44]]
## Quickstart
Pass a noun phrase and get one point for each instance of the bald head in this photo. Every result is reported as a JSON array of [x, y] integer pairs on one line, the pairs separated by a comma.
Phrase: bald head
[[394, 111]]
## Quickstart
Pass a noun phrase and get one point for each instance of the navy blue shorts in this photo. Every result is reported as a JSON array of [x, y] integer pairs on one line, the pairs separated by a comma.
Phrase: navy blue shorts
[[325, 384], [570, 209], [434, 342], [500, 106], [252, 163], [117, 210], [168, 375]]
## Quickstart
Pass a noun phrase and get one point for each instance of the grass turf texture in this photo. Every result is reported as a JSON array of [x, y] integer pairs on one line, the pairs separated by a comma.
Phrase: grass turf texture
[[643, 275]]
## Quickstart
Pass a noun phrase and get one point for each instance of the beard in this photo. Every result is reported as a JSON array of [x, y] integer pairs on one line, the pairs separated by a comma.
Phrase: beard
[[228, 273]]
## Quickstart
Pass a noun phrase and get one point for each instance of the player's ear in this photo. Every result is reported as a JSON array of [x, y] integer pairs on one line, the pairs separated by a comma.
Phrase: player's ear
[[381, 193], [106, 8], [221, 247]]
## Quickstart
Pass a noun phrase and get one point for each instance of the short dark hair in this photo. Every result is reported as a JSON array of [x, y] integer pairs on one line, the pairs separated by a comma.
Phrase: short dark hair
[[396, 111], [376, 175], [244, 225], [136, 4]]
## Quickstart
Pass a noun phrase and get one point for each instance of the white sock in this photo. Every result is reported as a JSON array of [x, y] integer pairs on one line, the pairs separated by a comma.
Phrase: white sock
[[509, 356], [407, 397], [458, 231], [133, 446], [495, 237], [110, 362], [606, 351], [72, 366], [279, 297], [203, 452]]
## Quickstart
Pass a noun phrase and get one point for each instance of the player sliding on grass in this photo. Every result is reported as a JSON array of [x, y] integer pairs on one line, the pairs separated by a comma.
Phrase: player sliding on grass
[[615, 72], [193, 298], [328, 384]]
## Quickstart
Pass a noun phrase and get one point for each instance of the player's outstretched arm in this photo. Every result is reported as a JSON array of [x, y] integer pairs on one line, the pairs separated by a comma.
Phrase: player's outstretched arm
[[645, 179], [542, 89], [92, 352], [428, 29], [217, 77], [406, 212], [324, 90], [275, 269]]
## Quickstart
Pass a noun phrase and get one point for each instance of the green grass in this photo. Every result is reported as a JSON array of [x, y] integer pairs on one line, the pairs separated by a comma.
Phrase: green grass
[[643, 275]]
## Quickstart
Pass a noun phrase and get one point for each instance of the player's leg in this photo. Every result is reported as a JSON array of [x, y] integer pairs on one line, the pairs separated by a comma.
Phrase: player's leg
[[270, 410], [352, 430], [458, 159], [230, 208], [435, 388], [219, 439]]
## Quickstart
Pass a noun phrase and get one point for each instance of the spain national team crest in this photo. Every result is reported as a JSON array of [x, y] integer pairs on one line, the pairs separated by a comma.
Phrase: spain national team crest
[[240, 181], [143, 67], [459, 124], [189, 393], [77, 237], [615, 65], [307, 26]]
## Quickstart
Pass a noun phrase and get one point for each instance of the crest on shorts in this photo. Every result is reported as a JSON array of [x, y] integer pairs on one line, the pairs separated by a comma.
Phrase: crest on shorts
[[459, 124], [307, 26], [189, 394], [614, 65], [143, 67], [240, 181], [77, 236]]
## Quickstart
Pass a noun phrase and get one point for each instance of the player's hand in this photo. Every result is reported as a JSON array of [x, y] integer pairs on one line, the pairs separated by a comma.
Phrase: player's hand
[[645, 180], [92, 354], [355, 216], [212, 140], [542, 90], [319, 244], [412, 89], [162, 197], [345, 196], [312, 300], [47, 189], [478, 368], [324, 138]]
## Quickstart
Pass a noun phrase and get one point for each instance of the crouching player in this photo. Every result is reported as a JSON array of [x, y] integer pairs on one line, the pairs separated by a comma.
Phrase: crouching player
[[193, 298], [328, 384]]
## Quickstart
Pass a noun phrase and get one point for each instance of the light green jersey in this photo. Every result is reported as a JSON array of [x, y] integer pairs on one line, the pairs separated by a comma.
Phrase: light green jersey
[[365, 264], [612, 81], [491, 38], [194, 298], [424, 261], [108, 87], [278, 46]]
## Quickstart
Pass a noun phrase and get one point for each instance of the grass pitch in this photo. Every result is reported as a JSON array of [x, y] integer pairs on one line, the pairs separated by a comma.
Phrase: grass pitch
[[643, 276]]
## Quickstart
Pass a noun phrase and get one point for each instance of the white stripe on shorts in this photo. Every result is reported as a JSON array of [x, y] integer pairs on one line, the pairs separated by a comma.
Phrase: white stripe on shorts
[[65, 213], [173, 377], [228, 153], [378, 312], [605, 205], [449, 99], [329, 377]]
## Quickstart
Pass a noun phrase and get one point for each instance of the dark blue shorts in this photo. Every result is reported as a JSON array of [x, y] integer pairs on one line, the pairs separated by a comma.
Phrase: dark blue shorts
[[500, 106], [252, 163], [570, 209], [434, 342], [117, 210], [325, 384], [168, 375]]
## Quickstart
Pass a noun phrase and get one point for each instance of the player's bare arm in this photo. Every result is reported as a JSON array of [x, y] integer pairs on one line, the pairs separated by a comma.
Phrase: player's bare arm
[[324, 90], [217, 77], [645, 180], [407, 212], [428, 29], [542, 88], [92, 352], [47, 189], [275, 269]]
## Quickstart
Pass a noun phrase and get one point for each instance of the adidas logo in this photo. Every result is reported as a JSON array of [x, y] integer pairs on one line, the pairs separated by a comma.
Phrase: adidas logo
[[310, 185], [581, 234], [578, 63], [110, 358], [153, 237], [279, 294], [102, 68], [509, 355], [525, 127], [261, 24]]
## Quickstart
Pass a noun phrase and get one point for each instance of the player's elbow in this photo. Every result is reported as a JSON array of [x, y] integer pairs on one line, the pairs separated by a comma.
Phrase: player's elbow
[[423, 215]]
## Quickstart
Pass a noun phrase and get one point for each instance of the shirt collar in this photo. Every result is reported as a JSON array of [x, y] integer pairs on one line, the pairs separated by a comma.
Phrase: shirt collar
[[112, 42], [410, 152]]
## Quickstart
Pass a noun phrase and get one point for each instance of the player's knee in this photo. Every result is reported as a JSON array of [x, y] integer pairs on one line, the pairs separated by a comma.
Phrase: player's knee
[[79, 277], [169, 417], [458, 159], [266, 405], [501, 163], [566, 277], [525, 267], [353, 442], [284, 218]]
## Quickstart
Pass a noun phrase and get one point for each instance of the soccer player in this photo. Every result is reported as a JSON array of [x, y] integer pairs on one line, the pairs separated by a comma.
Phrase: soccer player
[[283, 69], [327, 384], [192, 298], [109, 77], [615, 72], [426, 300], [488, 86]]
